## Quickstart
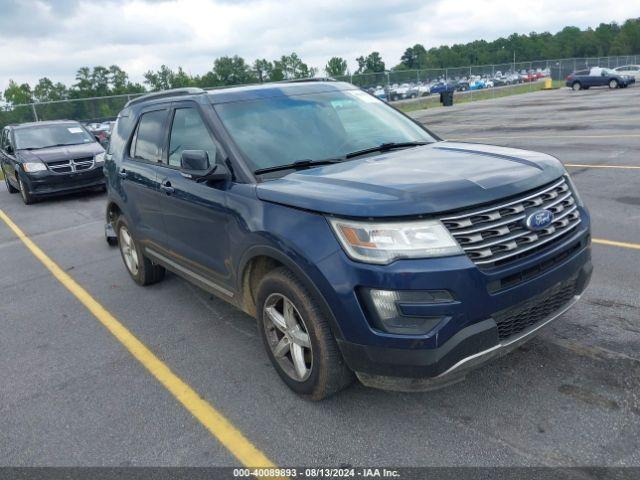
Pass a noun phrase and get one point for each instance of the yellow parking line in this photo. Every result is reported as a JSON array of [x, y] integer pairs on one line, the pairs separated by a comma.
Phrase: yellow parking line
[[612, 243], [580, 165], [221, 428]]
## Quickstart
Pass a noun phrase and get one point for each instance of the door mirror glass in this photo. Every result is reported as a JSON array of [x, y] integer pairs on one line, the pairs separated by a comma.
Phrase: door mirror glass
[[194, 161], [195, 164]]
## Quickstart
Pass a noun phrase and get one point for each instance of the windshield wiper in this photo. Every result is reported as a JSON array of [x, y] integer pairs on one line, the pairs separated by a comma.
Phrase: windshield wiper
[[297, 165], [384, 148], [52, 146]]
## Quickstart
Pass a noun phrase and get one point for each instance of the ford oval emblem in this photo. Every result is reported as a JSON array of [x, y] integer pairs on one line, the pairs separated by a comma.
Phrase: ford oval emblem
[[539, 219]]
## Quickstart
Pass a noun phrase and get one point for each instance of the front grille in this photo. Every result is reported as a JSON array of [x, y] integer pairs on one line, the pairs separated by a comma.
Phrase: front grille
[[496, 234], [514, 320], [70, 166]]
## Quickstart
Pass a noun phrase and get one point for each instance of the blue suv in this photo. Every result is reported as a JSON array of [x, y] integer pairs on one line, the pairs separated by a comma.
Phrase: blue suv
[[363, 244]]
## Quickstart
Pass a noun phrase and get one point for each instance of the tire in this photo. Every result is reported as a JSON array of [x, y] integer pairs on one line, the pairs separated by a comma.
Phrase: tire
[[140, 268], [10, 188], [613, 84], [298, 339], [27, 198], [576, 86]]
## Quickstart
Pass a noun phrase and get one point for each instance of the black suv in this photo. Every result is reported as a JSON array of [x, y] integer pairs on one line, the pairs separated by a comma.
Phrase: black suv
[[45, 158]]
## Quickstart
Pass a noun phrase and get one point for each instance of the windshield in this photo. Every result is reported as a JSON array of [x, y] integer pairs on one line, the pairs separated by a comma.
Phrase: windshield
[[282, 130], [50, 135]]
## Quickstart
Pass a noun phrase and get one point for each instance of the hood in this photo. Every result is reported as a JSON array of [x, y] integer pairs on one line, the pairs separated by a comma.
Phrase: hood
[[56, 154], [434, 178]]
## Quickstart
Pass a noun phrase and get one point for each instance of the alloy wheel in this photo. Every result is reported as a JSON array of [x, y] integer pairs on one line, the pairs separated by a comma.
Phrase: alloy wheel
[[288, 337], [129, 252]]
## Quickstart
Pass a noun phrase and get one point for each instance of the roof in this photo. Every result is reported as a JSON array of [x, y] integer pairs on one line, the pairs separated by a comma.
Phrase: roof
[[43, 123], [269, 90]]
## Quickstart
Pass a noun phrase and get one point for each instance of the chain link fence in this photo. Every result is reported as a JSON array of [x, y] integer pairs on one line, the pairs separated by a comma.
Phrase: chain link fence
[[472, 83], [478, 80]]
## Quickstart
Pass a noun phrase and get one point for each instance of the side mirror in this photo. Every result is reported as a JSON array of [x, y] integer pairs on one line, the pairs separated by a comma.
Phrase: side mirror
[[195, 164], [9, 149]]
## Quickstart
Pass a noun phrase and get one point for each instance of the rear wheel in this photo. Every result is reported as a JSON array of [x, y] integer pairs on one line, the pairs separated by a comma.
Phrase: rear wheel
[[10, 188], [142, 270], [298, 339], [613, 84], [576, 86], [27, 198]]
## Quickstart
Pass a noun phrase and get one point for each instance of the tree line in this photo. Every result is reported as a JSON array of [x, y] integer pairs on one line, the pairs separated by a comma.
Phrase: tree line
[[606, 39]]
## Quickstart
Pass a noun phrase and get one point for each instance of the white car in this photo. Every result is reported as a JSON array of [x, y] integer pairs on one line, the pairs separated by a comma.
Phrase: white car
[[423, 90], [629, 70]]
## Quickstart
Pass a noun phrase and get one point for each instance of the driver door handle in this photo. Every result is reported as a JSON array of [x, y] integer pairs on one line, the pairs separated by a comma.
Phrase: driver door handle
[[167, 188]]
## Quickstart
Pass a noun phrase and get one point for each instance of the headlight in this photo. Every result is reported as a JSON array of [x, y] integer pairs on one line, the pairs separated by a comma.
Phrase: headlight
[[99, 158], [385, 242], [34, 167]]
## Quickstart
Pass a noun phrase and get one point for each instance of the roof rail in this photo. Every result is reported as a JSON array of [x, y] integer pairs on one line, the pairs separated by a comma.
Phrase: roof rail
[[174, 92], [309, 79]]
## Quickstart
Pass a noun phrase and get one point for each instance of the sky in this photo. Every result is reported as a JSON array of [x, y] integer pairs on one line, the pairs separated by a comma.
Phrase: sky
[[54, 38]]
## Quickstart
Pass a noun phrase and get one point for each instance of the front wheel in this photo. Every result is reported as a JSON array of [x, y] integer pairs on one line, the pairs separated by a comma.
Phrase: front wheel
[[142, 270], [298, 339], [613, 84], [10, 188], [27, 198]]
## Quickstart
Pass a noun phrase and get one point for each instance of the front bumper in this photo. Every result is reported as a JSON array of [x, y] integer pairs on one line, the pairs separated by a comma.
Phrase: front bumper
[[48, 183], [470, 334], [471, 347]]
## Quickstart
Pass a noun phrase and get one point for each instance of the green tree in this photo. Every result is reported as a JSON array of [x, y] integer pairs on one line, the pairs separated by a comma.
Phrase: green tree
[[372, 63], [262, 69], [18, 94], [163, 79], [233, 71], [47, 91], [414, 57], [293, 67], [336, 67]]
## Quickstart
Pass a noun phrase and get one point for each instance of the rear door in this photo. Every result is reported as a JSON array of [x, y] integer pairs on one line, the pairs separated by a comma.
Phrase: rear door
[[195, 213], [138, 174]]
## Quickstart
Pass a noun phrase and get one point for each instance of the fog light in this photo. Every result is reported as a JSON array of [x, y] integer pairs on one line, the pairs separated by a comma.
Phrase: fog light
[[383, 306]]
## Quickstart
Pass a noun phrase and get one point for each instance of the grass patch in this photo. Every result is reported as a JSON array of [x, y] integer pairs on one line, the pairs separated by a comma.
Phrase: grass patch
[[485, 94], [1, 174]]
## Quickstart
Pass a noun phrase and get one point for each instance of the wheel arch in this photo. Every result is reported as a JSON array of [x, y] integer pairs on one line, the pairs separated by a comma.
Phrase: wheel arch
[[260, 260]]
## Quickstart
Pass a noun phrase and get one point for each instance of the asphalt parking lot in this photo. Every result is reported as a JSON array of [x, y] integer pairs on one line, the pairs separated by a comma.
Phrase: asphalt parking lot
[[71, 394]]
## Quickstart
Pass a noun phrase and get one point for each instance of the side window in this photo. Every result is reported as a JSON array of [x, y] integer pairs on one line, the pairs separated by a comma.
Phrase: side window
[[189, 132], [148, 139]]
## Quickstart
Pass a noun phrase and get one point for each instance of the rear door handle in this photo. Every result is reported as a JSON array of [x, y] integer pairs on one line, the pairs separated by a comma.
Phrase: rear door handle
[[122, 173], [167, 188]]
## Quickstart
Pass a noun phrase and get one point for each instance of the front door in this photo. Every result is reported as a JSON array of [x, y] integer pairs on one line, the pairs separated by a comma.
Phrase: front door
[[195, 213]]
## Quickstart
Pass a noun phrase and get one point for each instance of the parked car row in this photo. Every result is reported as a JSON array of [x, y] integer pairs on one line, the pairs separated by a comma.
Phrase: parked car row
[[101, 130], [600, 77], [404, 91]]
